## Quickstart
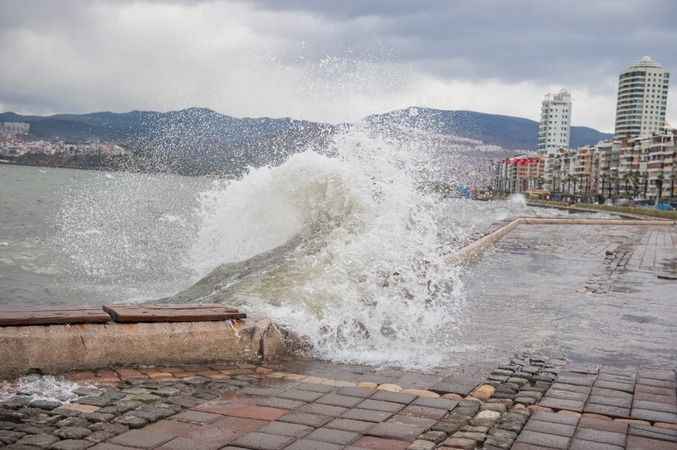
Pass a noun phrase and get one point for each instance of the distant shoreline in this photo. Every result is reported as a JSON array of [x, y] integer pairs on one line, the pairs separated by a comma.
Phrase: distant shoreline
[[7, 162]]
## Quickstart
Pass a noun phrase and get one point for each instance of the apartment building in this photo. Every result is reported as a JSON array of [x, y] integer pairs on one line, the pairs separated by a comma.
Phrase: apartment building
[[554, 129], [642, 99]]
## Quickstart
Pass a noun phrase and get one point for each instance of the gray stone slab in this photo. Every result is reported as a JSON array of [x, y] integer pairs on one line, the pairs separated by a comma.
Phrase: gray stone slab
[[543, 440]]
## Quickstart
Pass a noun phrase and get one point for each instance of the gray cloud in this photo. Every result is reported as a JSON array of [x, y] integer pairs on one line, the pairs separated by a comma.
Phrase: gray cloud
[[329, 61]]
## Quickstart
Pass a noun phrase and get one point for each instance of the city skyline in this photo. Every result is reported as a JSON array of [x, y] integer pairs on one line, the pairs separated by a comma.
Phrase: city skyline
[[326, 62]]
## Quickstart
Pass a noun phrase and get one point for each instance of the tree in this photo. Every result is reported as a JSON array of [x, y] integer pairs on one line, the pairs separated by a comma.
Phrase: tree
[[659, 187]]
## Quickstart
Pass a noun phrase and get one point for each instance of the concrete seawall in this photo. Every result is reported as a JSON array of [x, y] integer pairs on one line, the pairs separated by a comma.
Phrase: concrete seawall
[[474, 250], [59, 348]]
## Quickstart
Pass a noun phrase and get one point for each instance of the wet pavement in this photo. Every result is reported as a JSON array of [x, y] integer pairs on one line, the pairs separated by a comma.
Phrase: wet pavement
[[529, 402], [590, 293]]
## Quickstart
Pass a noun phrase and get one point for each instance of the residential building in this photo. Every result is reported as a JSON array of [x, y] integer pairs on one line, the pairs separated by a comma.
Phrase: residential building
[[642, 99], [522, 173], [555, 125], [639, 169], [9, 129]]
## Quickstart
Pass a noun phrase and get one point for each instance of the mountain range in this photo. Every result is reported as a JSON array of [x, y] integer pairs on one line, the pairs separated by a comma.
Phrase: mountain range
[[199, 140]]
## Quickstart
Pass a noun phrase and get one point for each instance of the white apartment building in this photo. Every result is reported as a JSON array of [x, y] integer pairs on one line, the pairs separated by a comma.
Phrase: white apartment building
[[554, 128], [642, 99], [10, 129]]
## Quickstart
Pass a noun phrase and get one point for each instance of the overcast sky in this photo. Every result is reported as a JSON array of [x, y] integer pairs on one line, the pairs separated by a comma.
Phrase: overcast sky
[[333, 60]]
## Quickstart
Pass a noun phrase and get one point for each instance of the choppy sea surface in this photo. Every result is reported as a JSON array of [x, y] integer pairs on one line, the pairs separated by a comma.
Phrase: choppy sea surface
[[347, 249]]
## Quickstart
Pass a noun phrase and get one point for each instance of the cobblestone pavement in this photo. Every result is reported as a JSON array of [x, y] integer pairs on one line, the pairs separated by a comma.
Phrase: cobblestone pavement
[[529, 403]]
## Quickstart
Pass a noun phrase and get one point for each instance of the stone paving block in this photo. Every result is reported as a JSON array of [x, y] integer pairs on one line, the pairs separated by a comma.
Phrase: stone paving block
[[300, 395], [262, 441], [418, 381], [333, 436], [557, 403], [421, 444], [143, 438], [657, 374], [378, 405], [173, 427], [312, 420], [543, 440], [286, 429], [38, 440], [550, 428], [618, 402], [422, 411], [464, 443], [643, 396], [258, 391], [279, 403], [657, 383], [642, 443], [579, 444], [607, 410], [109, 446], [71, 444], [441, 403], [567, 395], [393, 397], [307, 444], [376, 443], [654, 390], [339, 400], [525, 446], [604, 425], [653, 433], [324, 410], [605, 437], [571, 387], [358, 426], [196, 417], [422, 422], [615, 386], [433, 436], [576, 380], [586, 369], [599, 392], [315, 387], [448, 426], [396, 430], [241, 410], [367, 415], [455, 385], [653, 416], [357, 392], [655, 406], [631, 379]]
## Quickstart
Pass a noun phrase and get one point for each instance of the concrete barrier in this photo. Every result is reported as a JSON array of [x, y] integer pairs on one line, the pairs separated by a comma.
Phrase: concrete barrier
[[60, 348], [474, 250]]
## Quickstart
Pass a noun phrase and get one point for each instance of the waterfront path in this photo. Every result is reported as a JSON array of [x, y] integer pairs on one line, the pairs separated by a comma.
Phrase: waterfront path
[[528, 403]]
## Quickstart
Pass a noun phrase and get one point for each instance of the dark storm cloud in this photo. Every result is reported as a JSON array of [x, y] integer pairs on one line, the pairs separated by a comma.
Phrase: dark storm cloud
[[514, 40], [326, 60]]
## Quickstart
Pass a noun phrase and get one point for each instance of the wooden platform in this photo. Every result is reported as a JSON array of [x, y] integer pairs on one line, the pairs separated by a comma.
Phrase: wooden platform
[[12, 315], [172, 313], [19, 315]]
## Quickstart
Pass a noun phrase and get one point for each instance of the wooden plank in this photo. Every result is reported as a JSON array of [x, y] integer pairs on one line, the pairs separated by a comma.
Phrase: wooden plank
[[172, 313], [38, 308], [20, 315]]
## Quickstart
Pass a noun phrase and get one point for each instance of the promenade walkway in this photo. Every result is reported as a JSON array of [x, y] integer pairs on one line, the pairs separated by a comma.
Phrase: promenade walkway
[[528, 403]]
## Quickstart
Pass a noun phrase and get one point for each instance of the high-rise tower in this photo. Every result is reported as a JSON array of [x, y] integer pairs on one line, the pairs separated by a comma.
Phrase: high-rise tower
[[642, 99], [555, 125]]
